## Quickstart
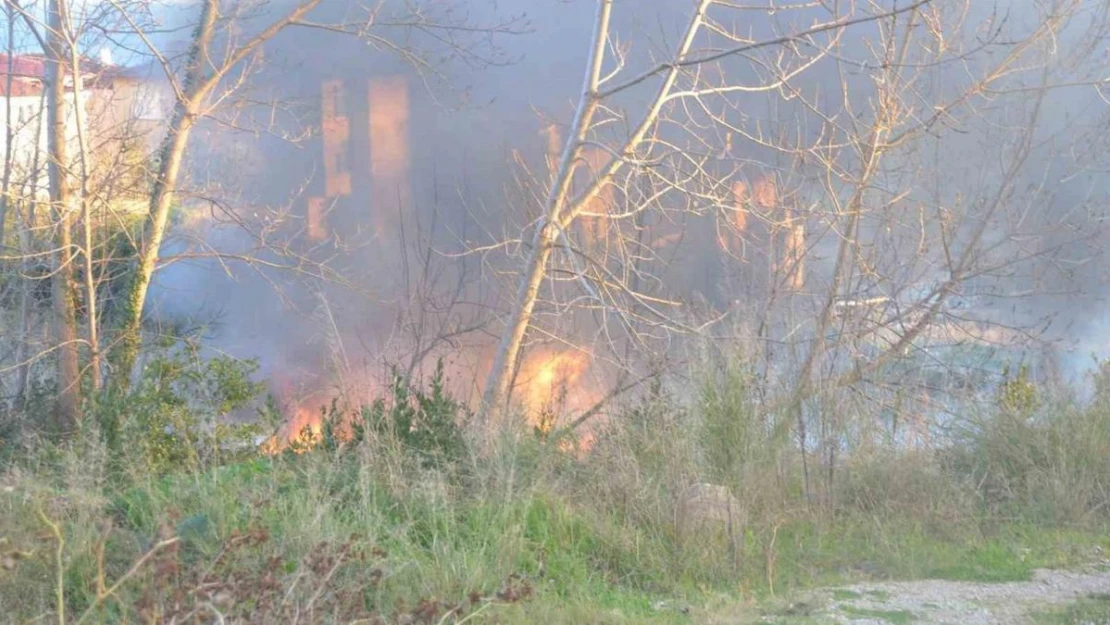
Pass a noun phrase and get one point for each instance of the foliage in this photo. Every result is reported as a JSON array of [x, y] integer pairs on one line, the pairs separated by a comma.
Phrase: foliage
[[171, 418], [426, 422], [523, 533], [1044, 461], [1091, 610], [733, 435], [1017, 394]]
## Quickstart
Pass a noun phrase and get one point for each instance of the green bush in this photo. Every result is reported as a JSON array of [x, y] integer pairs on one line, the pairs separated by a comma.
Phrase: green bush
[[427, 423], [1044, 460], [170, 419]]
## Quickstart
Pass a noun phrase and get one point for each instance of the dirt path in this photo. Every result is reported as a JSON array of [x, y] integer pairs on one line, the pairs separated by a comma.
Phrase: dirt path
[[933, 602]]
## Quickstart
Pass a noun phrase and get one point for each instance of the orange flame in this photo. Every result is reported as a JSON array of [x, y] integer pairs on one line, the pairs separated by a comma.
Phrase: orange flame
[[765, 193], [303, 428], [740, 199], [551, 383], [550, 378], [317, 230]]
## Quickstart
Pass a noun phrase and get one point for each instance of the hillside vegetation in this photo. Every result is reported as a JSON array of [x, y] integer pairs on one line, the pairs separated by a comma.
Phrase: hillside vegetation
[[397, 515]]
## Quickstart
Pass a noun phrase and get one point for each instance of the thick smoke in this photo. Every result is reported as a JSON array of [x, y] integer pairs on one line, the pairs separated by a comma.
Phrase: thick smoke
[[468, 130]]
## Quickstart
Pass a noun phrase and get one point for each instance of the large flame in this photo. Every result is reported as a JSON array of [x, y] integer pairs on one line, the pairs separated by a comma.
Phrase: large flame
[[303, 427], [550, 385], [551, 381], [302, 432]]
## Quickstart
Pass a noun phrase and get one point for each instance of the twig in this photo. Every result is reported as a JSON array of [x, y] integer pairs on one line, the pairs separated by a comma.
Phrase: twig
[[592, 411], [126, 576], [771, 559], [468, 616], [324, 584], [59, 573]]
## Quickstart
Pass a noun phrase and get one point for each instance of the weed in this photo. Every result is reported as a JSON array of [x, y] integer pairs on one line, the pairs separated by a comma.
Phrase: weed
[[1093, 610], [895, 617], [393, 517]]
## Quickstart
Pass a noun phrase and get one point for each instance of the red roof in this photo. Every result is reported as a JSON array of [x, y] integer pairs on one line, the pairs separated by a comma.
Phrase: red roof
[[23, 65], [28, 71]]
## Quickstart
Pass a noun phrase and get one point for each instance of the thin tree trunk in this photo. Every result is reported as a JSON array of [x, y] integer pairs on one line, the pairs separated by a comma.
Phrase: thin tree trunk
[[9, 130], [26, 213], [543, 242], [86, 219], [67, 410], [560, 211], [22, 373], [199, 83], [172, 154]]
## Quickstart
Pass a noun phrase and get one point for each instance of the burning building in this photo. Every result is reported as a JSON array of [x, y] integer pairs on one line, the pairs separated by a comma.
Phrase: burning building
[[762, 225], [364, 126]]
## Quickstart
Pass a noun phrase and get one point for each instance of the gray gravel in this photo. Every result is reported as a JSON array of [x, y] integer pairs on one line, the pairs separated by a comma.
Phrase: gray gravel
[[935, 602]]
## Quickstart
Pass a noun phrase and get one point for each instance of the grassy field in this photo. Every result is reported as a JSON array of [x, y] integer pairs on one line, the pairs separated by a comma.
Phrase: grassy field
[[340, 537], [1093, 610], [413, 522]]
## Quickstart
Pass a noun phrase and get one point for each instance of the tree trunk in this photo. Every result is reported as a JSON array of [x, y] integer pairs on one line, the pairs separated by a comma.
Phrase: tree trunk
[[496, 394], [9, 129], [67, 410], [93, 318], [202, 75], [508, 350], [172, 154], [560, 213]]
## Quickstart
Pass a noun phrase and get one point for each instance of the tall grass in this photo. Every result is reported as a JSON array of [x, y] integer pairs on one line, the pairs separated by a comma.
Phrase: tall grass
[[1040, 456], [381, 529]]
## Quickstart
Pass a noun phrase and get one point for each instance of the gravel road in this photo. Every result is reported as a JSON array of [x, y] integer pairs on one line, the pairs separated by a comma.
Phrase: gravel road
[[934, 602]]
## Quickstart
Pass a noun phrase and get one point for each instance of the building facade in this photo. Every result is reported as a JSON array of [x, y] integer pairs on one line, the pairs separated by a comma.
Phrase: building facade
[[123, 110]]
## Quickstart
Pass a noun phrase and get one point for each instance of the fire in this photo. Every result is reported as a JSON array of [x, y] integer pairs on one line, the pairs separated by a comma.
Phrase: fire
[[303, 427], [553, 379], [317, 230], [550, 385], [302, 431], [740, 198]]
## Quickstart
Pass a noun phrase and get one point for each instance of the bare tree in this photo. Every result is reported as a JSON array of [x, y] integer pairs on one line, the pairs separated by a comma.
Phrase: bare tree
[[860, 247], [218, 61], [63, 205], [674, 173]]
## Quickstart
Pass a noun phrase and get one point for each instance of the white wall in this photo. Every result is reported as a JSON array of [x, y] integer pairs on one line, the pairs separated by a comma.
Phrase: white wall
[[29, 141]]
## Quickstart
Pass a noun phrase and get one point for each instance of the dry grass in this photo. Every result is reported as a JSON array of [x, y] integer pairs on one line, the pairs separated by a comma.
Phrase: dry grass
[[372, 533]]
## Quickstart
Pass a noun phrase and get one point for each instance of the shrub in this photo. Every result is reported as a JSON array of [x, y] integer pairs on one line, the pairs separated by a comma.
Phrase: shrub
[[426, 423], [1042, 460], [170, 419]]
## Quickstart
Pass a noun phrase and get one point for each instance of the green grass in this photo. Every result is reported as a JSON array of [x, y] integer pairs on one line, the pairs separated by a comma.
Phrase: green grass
[[829, 554], [1094, 610], [895, 617], [445, 540], [530, 526], [441, 545]]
